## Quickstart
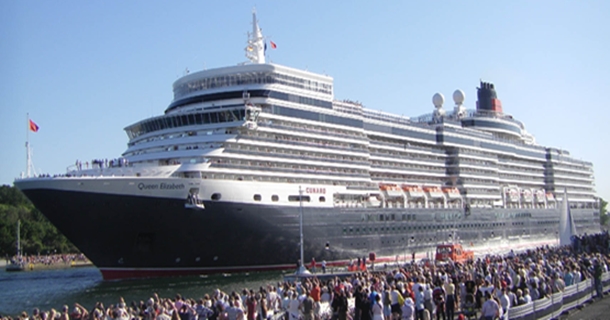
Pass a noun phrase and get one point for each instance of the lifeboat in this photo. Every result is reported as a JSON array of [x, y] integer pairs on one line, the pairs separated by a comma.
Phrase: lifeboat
[[527, 194], [452, 193], [512, 194], [434, 192], [413, 191], [539, 195], [390, 190], [550, 196]]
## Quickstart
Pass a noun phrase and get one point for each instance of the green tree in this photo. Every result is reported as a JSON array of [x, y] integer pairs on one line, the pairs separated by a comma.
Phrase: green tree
[[38, 235], [604, 219]]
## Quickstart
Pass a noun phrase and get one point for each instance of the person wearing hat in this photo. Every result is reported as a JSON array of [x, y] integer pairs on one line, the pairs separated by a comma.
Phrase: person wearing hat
[[408, 309]]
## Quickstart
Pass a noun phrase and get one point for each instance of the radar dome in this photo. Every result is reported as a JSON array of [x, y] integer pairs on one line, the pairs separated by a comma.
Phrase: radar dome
[[438, 100], [458, 96]]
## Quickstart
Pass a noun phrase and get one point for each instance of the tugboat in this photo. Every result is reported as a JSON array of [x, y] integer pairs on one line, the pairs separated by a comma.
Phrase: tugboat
[[453, 252]]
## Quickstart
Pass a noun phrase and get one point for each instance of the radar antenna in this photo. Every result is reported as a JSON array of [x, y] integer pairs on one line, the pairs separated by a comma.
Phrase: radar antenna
[[255, 49]]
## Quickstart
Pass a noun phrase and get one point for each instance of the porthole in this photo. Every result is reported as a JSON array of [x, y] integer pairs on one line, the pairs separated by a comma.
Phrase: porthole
[[216, 196], [322, 199], [257, 197], [275, 198]]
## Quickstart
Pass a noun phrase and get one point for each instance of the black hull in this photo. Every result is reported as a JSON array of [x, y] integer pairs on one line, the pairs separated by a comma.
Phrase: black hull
[[135, 236]]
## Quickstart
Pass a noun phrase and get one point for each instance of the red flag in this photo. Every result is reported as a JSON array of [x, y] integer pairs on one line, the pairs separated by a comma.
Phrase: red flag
[[34, 127], [273, 45]]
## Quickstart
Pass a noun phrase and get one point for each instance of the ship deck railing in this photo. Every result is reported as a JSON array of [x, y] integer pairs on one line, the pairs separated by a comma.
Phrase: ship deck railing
[[291, 171], [408, 146], [309, 130], [283, 156], [292, 142]]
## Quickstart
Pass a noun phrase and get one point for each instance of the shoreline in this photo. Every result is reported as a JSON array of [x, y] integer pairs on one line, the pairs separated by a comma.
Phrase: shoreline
[[40, 266]]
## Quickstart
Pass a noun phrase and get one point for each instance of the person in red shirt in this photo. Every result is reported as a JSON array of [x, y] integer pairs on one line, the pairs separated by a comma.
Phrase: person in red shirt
[[251, 306], [315, 295]]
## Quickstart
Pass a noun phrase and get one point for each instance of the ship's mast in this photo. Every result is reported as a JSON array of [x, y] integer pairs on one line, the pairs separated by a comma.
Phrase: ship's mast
[[255, 50], [18, 238]]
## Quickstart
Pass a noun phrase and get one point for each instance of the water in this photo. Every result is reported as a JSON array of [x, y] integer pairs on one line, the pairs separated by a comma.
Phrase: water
[[46, 289]]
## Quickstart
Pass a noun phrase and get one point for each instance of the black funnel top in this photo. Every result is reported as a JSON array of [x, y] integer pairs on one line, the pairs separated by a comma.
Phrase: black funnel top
[[486, 95]]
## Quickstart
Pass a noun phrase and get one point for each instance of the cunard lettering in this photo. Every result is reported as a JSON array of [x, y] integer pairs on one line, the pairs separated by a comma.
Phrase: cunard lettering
[[315, 190]]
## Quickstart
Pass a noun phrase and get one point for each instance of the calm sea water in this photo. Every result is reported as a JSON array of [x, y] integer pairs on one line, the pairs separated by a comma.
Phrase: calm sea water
[[46, 289]]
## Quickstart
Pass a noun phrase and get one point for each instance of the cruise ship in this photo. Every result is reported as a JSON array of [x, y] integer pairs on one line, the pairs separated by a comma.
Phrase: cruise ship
[[221, 180]]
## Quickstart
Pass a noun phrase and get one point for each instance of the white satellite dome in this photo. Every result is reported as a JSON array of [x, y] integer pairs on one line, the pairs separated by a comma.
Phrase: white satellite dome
[[458, 96], [438, 99]]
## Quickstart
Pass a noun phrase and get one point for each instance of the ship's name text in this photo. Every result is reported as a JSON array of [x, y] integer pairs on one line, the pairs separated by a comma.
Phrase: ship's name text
[[162, 186], [315, 190]]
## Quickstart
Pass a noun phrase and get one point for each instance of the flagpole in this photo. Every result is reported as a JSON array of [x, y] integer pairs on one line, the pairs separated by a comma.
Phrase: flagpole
[[27, 146]]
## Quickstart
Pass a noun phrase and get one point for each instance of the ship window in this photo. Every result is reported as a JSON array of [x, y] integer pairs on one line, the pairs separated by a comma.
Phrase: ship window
[[275, 198], [257, 197], [216, 196], [322, 199], [298, 198]]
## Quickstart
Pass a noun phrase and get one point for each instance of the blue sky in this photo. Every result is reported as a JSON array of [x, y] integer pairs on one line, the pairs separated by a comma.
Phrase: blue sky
[[86, 69]]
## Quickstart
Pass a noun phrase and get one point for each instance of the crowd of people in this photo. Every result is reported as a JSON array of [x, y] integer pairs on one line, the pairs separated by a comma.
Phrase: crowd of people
[[484, 288], [101, 163], [47, 260]]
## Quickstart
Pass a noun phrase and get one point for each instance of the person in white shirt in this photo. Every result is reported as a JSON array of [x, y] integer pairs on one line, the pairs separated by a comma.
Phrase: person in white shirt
[[408, 309], [526, 296], [490, 309], [505, 303], [428, 298], [487, 287], [377, 309], [293, 307]]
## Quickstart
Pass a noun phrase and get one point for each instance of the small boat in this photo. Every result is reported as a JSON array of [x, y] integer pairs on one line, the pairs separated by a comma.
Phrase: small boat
[[17, 264]]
